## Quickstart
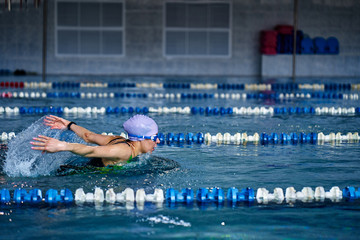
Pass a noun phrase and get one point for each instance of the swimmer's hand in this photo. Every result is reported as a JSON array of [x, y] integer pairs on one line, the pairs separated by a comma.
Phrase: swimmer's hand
[[56, 122], [48, 144]]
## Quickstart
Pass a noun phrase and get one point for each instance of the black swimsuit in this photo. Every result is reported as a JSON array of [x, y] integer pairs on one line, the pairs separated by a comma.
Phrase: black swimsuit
[[97, 162]]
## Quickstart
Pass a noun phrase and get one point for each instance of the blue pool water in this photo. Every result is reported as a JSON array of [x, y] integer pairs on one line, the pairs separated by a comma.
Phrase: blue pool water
[[201, 165]]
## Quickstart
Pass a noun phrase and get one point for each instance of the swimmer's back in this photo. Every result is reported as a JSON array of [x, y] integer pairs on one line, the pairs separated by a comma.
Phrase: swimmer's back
[[98, 162]]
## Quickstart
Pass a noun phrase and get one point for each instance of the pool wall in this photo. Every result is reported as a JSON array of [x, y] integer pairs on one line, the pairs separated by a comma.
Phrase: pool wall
[[21, 42]]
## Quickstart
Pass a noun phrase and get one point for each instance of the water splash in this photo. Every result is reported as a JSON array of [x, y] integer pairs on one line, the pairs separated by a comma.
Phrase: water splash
[[21, 160]]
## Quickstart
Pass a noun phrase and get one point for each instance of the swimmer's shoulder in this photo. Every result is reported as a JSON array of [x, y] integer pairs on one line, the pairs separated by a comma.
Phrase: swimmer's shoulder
[[125, 150], [116, 139]]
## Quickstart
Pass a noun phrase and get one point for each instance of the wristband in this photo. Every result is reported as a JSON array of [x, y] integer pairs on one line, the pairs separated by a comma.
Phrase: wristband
[[69, 125]]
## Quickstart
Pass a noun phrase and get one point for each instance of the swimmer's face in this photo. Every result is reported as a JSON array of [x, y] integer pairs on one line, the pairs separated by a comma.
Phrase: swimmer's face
[[149, 145]]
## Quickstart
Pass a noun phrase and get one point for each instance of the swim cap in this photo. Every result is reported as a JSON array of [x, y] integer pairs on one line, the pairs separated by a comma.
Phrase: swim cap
[[140, 125]]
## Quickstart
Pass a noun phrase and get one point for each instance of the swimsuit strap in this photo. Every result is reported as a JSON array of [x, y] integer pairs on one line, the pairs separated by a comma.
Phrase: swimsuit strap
[[132, 149], [128, 142], [114, 139]]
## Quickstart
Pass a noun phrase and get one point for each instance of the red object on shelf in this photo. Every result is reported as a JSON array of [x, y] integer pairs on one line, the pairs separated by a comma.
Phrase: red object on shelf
[[21, 84], [268, 36], [2, 84], [268, 41], [268, 44], [7, 84]]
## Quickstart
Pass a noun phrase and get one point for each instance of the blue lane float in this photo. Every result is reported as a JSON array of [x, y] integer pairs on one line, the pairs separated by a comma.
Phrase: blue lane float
[[204, 195], [177, 85], [283, 138], [351, 193], [22, 196], [186, 195], [4, 196], [35, 196], [65, 196]]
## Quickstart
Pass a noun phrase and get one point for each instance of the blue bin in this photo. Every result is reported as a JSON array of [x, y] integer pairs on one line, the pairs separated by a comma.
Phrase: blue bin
[[320, 45], [332, 45], [307, 46]]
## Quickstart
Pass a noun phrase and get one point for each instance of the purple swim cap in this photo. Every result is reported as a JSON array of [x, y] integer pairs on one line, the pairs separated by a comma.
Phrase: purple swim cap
[[140, 125]]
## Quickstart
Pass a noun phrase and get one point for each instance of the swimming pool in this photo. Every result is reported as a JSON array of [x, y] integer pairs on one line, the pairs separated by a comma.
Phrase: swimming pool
[[270, 165]]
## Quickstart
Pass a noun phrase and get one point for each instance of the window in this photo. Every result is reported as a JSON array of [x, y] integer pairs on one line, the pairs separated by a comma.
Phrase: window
[[88, 27], [197, 29]]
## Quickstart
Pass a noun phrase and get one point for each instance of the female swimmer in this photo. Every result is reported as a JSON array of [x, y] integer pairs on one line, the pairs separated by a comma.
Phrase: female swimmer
[[111, 150]]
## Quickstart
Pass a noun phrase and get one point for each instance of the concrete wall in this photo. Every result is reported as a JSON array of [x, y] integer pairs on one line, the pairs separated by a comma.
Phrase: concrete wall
[[21, 41]]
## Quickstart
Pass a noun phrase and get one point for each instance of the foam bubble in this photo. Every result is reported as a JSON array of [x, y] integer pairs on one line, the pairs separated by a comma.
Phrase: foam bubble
[[167, 220]]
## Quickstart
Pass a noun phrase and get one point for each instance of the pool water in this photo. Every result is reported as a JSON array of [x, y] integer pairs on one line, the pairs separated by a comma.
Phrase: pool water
[[201, 165]]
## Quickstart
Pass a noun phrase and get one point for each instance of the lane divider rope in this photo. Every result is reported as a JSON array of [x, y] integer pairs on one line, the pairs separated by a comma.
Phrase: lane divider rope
[[241, 138], [182, 96], [351, 111], [223, 86], [185, 196]]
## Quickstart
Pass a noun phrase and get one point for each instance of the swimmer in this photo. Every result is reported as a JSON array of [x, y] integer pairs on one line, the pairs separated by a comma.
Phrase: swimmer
[[111, 150]]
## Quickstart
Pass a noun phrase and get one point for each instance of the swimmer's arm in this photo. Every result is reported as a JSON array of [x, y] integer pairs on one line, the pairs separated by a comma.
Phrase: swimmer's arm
[[56, 122], [52, 145], [91, 137], [98, 139], [114, 153]]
